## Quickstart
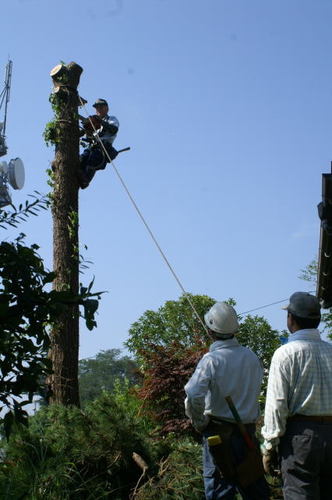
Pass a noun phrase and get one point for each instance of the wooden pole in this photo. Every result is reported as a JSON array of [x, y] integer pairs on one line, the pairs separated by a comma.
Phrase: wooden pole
[[65, 334]]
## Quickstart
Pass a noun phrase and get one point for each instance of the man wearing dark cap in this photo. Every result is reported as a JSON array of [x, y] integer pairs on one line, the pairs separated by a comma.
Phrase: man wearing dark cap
[[298, 411], [94, 157], [110, 124]]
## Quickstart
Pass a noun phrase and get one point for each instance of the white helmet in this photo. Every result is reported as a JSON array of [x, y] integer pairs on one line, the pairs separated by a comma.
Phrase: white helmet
[[222, 318]]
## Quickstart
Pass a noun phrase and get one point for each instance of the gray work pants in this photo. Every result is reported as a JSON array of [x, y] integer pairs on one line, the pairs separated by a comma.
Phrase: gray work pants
[[306, 461]]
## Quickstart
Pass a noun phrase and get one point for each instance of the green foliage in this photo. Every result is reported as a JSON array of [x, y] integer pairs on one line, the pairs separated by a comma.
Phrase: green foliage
[[58, 100], [90, 305], [66, 453], [105, 372], [126, 397], [73, 231], [310, 274], [169, 343], [50, 182], [179, 475], [327, 319], [50, 133], [256, 333], [27, 310], [175, 321], [21, 214], [72, 222]]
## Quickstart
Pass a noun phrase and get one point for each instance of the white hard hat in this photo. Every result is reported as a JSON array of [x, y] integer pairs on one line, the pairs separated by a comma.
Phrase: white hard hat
[[222, 318]]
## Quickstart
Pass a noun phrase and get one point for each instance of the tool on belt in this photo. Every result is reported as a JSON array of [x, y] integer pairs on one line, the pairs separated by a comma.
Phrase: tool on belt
[[251, 468]]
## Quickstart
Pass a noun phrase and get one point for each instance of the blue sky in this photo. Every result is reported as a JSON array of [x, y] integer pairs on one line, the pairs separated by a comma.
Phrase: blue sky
[[226, 105]]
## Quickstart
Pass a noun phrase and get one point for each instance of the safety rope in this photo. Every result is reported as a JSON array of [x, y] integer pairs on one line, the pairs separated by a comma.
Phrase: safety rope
[[262, 307], [154, 239], [268, 305]]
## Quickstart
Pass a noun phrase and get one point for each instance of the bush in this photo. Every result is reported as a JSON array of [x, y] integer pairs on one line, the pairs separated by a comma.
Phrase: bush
[[179, 475], [102, 371], [69, 454], [168, 370]]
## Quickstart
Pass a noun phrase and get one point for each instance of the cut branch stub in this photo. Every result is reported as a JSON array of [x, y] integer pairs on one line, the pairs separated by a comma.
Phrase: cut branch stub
[[66, 74], [58, 72], [74, 71]]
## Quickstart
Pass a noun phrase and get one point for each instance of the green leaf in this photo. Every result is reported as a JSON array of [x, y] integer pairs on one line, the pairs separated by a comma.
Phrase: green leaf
[[8, 422]]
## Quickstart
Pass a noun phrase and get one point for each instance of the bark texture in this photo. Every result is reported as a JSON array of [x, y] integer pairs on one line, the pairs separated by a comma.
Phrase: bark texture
[[65, 335]]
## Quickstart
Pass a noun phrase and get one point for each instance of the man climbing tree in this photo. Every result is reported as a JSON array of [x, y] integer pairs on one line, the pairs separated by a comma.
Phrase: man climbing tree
[[100, 131]]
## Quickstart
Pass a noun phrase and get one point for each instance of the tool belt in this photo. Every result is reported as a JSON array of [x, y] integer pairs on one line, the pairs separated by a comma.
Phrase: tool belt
[[223, 458], [250, 469], [320, 419], [220, 421]]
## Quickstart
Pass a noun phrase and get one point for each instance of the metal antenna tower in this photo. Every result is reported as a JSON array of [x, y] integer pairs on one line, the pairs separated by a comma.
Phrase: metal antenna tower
[[11, 173], [4, 100]]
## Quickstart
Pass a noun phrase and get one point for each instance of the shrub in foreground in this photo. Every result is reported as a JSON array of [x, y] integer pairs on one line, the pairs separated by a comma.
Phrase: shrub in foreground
[[179, 476], [66, 453]]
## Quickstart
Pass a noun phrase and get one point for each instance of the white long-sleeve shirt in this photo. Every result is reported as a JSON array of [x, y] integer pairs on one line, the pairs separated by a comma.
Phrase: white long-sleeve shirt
[[228, 369], [300, 382]]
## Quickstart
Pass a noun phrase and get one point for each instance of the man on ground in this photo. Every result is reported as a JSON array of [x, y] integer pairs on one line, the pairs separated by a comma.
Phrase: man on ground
[[298, 411], [228, 369]]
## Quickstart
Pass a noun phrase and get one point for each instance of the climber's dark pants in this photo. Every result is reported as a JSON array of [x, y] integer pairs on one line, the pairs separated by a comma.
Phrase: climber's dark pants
[[93, 159]]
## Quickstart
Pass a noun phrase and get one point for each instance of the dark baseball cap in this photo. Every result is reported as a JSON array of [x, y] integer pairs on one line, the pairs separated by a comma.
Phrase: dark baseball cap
[[100, 102], [304, 305]]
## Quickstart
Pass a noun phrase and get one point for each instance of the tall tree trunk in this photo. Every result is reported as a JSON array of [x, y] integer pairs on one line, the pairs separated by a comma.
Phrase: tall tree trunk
[[65, 334]]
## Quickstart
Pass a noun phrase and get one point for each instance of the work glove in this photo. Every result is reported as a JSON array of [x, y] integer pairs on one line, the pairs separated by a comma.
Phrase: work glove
[[202, 424], [270, 462]]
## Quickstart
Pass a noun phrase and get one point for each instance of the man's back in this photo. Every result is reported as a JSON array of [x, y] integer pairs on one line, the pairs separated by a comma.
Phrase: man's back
[[229, 369], [238, 372], [305, 365]]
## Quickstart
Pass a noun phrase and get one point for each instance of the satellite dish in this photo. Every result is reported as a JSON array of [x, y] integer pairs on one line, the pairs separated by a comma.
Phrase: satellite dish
[[15, 173]]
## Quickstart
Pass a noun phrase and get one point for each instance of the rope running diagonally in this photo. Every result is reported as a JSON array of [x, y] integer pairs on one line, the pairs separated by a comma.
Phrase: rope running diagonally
[[268, 305], [144, 221], [154, 238]]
